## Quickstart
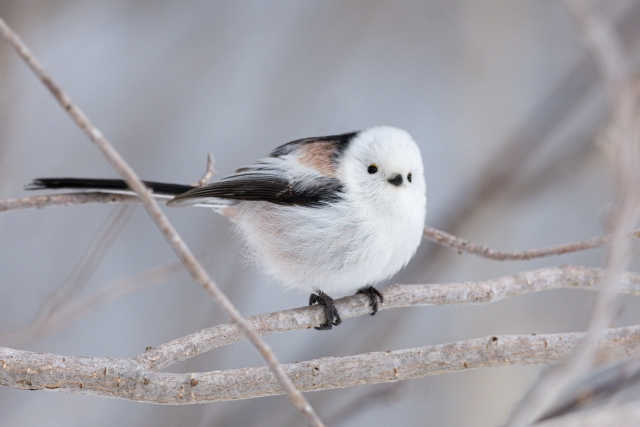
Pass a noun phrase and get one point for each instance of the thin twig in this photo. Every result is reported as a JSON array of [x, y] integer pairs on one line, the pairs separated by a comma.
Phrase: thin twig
[[65, 199], [437, 236], [211, 171], [461, 245], [177, 244], [396, 296], [127, 379], [605, 44], [608, 385], [619, 416]]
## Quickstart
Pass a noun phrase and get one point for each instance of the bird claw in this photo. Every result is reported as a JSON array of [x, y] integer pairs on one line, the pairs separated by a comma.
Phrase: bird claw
[[374, 295], [330, 312]]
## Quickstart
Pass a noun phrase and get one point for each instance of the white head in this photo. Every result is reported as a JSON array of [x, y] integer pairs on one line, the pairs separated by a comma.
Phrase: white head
[[382, 169]]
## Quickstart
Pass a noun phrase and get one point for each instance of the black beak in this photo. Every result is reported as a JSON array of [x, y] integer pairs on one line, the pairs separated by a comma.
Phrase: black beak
[[396, 180]]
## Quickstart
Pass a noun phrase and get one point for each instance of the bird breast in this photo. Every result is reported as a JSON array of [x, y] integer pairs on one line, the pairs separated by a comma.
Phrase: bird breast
[[335, 248]]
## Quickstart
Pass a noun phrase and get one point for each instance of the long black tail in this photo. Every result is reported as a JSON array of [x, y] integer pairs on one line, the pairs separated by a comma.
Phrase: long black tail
[[104, 185]]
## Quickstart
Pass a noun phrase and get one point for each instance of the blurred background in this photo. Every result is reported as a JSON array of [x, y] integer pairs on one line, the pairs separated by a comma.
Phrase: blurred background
[[502, 97]]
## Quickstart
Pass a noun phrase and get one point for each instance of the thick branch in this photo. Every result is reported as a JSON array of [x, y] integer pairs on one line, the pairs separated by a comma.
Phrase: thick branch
[[127, 379], [394, 296]]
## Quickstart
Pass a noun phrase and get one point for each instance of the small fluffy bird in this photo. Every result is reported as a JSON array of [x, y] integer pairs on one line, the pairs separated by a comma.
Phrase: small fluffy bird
[[328, 214]]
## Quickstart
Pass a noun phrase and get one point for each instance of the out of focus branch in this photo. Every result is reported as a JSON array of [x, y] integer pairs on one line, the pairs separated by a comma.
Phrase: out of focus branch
[[566, 277], [86, 267], [77, 308], [611, 384], [619, 416], [606, 45], [624, 95], [128, 379]]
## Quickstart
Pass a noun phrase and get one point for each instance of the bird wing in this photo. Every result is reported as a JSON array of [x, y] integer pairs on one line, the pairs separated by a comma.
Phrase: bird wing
[[281, 180], [301, 172]]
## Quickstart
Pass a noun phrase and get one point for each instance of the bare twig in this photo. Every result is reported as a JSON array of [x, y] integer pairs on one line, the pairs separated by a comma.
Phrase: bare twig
[[177, 244], [619, 416], [127, 379], [395, 296], [211, 171], [66, 199], [614, 383], [461, 245], [606, 46]]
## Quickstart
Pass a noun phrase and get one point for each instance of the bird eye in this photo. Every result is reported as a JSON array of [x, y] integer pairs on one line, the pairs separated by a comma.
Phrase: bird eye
[[372, 169], [409, 177]]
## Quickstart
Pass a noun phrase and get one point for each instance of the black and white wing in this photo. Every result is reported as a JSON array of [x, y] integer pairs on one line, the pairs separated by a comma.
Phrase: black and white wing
[[298, 173], [264, 185]]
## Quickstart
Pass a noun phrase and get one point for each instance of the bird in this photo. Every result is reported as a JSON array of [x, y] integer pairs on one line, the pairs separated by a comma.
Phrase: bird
[[330, 214]]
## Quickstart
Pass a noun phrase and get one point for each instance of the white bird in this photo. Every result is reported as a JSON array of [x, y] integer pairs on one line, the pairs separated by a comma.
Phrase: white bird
[[326, 214]]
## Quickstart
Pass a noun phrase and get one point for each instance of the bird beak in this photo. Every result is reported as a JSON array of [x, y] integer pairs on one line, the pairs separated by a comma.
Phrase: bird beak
[[396, 180]]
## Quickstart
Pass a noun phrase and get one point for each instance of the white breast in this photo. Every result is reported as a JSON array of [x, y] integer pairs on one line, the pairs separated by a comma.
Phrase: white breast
[[335, 248]]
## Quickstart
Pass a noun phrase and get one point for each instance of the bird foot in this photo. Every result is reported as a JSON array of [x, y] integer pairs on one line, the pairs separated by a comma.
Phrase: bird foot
[[374, 295], [330, 312]]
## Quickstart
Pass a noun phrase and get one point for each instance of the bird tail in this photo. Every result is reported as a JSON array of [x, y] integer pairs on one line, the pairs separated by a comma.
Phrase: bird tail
[[160, 190]]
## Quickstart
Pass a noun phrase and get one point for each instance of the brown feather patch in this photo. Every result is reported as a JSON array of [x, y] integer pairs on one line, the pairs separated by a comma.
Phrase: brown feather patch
[[319, 156]]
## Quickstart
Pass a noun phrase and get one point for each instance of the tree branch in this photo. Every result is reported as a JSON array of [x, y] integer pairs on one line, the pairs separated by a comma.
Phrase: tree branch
[[619, 416], [461, 245], [137, 379], [66, 199], [567, 277], [210, 172], [127, 379]]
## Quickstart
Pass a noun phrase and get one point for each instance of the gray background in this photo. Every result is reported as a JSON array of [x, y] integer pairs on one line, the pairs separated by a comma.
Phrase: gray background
[[486, 88]]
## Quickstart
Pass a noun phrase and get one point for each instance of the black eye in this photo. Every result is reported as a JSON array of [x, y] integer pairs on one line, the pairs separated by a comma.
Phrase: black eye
[[372, 169], [409, 177]]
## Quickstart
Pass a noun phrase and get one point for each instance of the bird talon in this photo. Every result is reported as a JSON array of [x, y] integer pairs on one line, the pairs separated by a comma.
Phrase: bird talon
[[374, 296], [332, 317]]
